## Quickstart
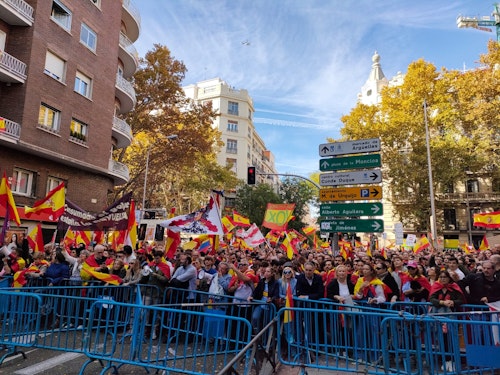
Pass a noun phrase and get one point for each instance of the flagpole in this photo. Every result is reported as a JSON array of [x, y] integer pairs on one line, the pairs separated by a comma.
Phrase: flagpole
[[431, 187]]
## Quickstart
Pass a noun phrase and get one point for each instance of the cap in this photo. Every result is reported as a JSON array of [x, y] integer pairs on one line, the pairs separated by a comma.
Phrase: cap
[[412, 264]]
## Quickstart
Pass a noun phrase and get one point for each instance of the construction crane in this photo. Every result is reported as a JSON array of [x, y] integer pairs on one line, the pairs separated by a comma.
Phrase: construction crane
[[484, 23]]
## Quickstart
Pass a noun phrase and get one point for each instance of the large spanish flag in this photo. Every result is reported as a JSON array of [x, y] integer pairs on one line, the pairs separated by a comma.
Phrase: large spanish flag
[[487, 220], [278, 215], [7, 200], [52, 204]]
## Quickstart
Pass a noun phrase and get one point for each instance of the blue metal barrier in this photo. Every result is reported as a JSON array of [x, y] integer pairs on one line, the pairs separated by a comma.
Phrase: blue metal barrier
[[385, 342]]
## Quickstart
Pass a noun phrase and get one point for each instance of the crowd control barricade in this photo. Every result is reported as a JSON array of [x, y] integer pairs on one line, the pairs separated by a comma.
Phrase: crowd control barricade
[[361, 339], [19, 323], [178, 345]]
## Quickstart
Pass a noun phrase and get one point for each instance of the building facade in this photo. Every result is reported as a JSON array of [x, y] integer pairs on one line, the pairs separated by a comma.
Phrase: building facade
[[64, 69], [456, 204], [243, 147]]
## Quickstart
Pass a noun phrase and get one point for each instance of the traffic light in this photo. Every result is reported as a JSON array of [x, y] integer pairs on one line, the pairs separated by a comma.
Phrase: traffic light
[[251, 176]]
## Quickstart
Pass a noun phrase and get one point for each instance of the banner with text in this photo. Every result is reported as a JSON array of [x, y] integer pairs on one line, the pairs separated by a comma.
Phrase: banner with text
[[278, 215]]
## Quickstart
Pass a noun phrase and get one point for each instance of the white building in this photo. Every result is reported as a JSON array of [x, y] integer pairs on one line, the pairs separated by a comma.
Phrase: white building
[[243, 147]]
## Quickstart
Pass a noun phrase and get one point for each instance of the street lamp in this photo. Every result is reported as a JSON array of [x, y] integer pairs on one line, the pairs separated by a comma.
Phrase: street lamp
[[170, 138], [467, 205], [431, 187]]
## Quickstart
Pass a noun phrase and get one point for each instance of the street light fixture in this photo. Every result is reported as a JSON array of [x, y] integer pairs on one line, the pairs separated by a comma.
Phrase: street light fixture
[[431, 187], [170, 138]]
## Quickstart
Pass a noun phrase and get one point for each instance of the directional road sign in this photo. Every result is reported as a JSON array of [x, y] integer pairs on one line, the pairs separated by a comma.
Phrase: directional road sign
[[358, 193], [350, 162], [351, 147], [352, 225], [372, 176], [351, 209]]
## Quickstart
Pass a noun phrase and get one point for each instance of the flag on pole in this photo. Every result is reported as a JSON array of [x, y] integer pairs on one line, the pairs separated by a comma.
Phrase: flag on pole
[[287, 246], [131, 236], [421, 244], [484, 244], [35, 239], [228, 224], [173, 239], [240, 220], [52, 204], [7, 200], [253, 236], [277, 216]]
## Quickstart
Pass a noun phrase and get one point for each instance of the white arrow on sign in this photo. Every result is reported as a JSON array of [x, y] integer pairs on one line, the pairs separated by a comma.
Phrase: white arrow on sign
[[375, 209], [376, 226], [371, 176], [349, 147]]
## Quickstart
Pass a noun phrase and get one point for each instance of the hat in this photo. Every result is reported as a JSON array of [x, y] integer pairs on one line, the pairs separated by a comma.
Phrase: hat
[[412, 264]]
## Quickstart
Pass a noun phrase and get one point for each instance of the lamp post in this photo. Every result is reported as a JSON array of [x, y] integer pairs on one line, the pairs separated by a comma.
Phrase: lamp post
[[467, 205], [431, 187], [170, 138]]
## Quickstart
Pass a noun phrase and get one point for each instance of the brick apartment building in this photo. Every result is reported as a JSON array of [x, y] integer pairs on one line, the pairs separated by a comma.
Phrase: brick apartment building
[[64, 66]]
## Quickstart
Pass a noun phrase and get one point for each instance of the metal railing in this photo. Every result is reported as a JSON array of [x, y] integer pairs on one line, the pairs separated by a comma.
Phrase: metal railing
[[22, 7], [118, 169], [12, 130], [129, 47], [12, 65]]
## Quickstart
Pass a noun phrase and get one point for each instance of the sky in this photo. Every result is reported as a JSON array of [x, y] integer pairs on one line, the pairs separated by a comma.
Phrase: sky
[[304, 61]]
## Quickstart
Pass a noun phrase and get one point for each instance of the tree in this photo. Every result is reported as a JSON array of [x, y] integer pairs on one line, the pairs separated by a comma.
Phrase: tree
[[252, 201], [300, 192], [463, 120], [181, 172]]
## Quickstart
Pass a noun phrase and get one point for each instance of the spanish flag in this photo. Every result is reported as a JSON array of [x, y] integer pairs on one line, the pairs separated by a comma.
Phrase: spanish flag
[[52, 204], [7, 200], [288, 315], [287, 246], [487, 220], [240, 220], [3, 126], [421, 244], [35, 238], [484, 244]]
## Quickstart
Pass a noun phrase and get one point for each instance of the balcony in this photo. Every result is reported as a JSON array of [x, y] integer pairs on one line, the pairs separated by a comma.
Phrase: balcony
[[128, 55], [125, 93], [12, 70], [472, 198], [12, 131], [118, 171], [16, 12], [132, 20], [122, 132]]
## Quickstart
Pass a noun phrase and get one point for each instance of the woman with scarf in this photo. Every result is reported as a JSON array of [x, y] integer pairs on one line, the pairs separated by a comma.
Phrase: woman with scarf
[[369, 288]]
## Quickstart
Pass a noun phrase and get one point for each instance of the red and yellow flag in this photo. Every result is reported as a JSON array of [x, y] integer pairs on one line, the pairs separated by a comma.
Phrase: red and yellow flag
[[35, 238], [288, 315], [484, 244], [52, 204], [278, 215], [131, 236], [287, 246], [487, 220], [104, 277], [7, 200], [240, 220], [227, 224], [3, 126], [173, 239], [421, 244]]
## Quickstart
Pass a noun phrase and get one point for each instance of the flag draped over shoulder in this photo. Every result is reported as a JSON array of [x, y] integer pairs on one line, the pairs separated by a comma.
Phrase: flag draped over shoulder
[[278, 215], [52, 204], [421, 244], [484, 244], [35, 238], [487, 220], [204, 221], [288, 315], [7, 200]]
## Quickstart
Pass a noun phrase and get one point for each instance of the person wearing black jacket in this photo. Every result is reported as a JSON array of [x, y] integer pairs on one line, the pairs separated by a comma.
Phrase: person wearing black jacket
[[384, 275], [483, 287], [268, 291], [310, 284]]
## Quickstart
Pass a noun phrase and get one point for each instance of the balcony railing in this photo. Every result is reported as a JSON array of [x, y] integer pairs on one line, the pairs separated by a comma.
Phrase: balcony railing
[[123, 132], [11, 69], [119, 171], [127, 4], [12, 130], [131, 58], [470, 197], [132, 19], [127, 88], [129, 47], [23, 9]]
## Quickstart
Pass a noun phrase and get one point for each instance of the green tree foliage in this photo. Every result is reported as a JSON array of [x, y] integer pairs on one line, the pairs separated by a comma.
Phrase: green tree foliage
[[463, 117], [300, 192], [181, 172]]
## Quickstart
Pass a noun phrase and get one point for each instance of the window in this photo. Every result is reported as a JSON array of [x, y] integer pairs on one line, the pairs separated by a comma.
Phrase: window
[[49, 118], [88, 37], [61, 14], [23, 182], [52, 183], [55, 66], [472, 186], [83, 84], [232, 126], [232, 146], [232, 108], [78, 130], [450, 219]]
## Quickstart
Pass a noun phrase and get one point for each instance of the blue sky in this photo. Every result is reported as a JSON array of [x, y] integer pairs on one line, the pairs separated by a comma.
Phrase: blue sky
[[304, 61]]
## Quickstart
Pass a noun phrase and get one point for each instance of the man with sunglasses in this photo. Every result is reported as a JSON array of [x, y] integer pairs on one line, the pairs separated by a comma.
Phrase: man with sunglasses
[[384, 275]]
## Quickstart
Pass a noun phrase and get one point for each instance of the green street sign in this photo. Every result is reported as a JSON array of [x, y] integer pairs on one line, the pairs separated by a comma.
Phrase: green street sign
[[352, 225], [350, 162], [351, 209]]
